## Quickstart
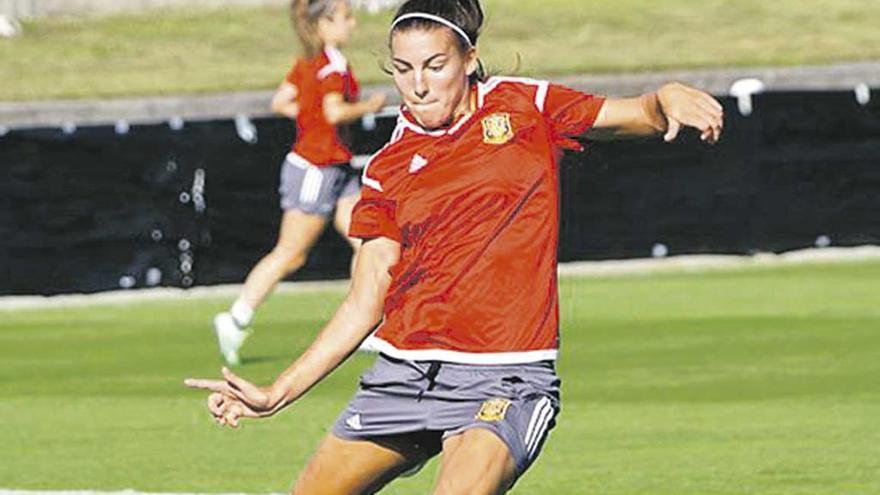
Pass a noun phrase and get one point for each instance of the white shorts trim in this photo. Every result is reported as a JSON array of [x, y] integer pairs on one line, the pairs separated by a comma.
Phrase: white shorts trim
[[298, 160], [377, 344]]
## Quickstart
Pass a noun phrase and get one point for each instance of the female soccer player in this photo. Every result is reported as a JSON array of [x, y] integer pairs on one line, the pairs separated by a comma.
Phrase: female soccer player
[[459, 216], [320, 92]]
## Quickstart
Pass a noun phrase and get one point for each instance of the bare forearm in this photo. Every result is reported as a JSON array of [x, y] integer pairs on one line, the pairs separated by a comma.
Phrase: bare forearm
[[284, 100], [339, 338], [635, 117], [344, 112], [286, 109], [348, 327], [667, 110]]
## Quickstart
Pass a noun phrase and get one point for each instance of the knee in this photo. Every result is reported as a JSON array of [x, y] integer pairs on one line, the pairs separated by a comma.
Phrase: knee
[[291, 258], [341, 226]]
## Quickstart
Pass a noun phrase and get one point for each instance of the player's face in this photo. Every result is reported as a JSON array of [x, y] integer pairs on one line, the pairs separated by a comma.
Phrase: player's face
[[336, 28], [431, 74]]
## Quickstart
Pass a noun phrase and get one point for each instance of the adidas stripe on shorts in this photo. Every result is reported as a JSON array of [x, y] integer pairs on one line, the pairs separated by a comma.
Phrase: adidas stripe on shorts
[[519, 403]]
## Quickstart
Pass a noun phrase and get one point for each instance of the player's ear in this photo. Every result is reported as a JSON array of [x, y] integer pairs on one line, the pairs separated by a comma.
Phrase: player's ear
[[472, 62]]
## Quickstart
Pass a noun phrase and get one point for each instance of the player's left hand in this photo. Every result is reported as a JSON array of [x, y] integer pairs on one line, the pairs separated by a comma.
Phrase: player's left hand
[[685, 106]]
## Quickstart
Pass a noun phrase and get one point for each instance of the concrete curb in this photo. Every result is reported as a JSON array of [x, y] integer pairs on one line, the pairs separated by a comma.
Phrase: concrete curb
[[594, 269]]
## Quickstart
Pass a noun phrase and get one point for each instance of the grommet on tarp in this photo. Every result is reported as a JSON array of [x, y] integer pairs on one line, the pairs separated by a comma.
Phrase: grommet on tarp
[[153, 276], [122, 127], [175, 123], [659, 250], [198, 190], [156, 235], [184, 245], [368, 122], [823, 241], [246, 129], [742, 90], [68, 128], [863, 94], [127, 282]]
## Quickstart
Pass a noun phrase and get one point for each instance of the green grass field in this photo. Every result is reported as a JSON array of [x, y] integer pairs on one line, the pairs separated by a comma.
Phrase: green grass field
[[758, 381], [195, 51]]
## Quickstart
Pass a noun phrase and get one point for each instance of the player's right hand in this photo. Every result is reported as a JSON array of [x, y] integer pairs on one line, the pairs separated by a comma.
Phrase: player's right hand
[[227, 411], [234, 397]]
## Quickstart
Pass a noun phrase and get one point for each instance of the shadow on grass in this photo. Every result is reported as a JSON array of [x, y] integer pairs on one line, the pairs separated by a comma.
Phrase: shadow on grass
[[263, 359]]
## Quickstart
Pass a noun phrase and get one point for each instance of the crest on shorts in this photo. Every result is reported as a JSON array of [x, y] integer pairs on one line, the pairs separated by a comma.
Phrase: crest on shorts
[[493, 410], [497, 129]]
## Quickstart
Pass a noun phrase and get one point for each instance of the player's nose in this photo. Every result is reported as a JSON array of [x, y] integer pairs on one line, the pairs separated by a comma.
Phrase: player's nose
[[420, 88]]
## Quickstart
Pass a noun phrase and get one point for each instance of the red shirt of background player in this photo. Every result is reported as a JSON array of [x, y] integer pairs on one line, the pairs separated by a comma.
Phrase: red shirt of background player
[[475, 208], [318, 141]]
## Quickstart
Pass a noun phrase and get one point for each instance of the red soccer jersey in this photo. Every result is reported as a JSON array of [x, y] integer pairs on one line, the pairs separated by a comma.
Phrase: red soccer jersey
[[475, 208], [317, 141]]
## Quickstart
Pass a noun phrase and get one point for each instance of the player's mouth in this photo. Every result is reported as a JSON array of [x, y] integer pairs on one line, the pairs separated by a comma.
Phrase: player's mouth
[[423, 104]]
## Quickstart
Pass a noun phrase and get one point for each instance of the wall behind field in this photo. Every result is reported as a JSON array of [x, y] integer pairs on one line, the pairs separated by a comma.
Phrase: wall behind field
[[193, 203]]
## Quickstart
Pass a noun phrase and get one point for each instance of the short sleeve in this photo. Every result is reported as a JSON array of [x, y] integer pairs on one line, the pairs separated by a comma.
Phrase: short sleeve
[[570, 113], [333, 83], [374, 216]]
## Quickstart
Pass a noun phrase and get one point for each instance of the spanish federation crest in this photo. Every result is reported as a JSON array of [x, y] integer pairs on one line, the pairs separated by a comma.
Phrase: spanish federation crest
[[497, 129], [493, 410]]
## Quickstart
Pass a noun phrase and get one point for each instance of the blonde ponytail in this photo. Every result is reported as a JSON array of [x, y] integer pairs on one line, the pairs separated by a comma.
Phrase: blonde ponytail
[[304, 15]]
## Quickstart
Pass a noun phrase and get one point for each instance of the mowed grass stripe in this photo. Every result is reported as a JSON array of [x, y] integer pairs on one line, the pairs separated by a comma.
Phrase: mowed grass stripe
[[743, 382]]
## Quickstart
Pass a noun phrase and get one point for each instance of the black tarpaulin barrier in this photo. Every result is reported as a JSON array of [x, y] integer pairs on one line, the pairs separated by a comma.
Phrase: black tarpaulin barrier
[[106, 207], [803, 169]]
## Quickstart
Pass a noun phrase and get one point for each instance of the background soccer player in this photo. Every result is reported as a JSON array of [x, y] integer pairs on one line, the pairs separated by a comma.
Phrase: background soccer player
[[459, 218], [320, 92]]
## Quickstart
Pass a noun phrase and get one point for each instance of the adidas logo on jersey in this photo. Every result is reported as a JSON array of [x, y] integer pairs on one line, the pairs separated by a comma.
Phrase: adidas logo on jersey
[[417, 163]]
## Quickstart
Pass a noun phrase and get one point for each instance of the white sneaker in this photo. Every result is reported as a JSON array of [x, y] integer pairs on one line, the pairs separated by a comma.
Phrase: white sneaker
[[229, 336]]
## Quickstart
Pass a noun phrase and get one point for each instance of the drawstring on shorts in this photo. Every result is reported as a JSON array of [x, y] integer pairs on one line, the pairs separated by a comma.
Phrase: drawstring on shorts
[[431, 375]]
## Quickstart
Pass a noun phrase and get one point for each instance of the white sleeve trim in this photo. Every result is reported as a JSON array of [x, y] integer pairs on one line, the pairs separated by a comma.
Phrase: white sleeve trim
[[543, 86], [338, 63]]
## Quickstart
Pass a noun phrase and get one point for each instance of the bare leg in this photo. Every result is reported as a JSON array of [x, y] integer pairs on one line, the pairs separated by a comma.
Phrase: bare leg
[[475, 462], [299, 232], [342, 221], [346, 467]]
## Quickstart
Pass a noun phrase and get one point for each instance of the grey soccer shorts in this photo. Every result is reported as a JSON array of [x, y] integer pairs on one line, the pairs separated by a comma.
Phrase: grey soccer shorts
[[315, 190], [519, 403]]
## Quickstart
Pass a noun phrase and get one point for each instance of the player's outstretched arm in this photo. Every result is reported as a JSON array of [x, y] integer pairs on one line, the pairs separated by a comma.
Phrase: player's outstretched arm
[[234, 397], [338, 111], [665, 110]]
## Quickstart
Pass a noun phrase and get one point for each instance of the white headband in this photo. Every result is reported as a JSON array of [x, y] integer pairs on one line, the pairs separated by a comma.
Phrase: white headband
[[431, 17]]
